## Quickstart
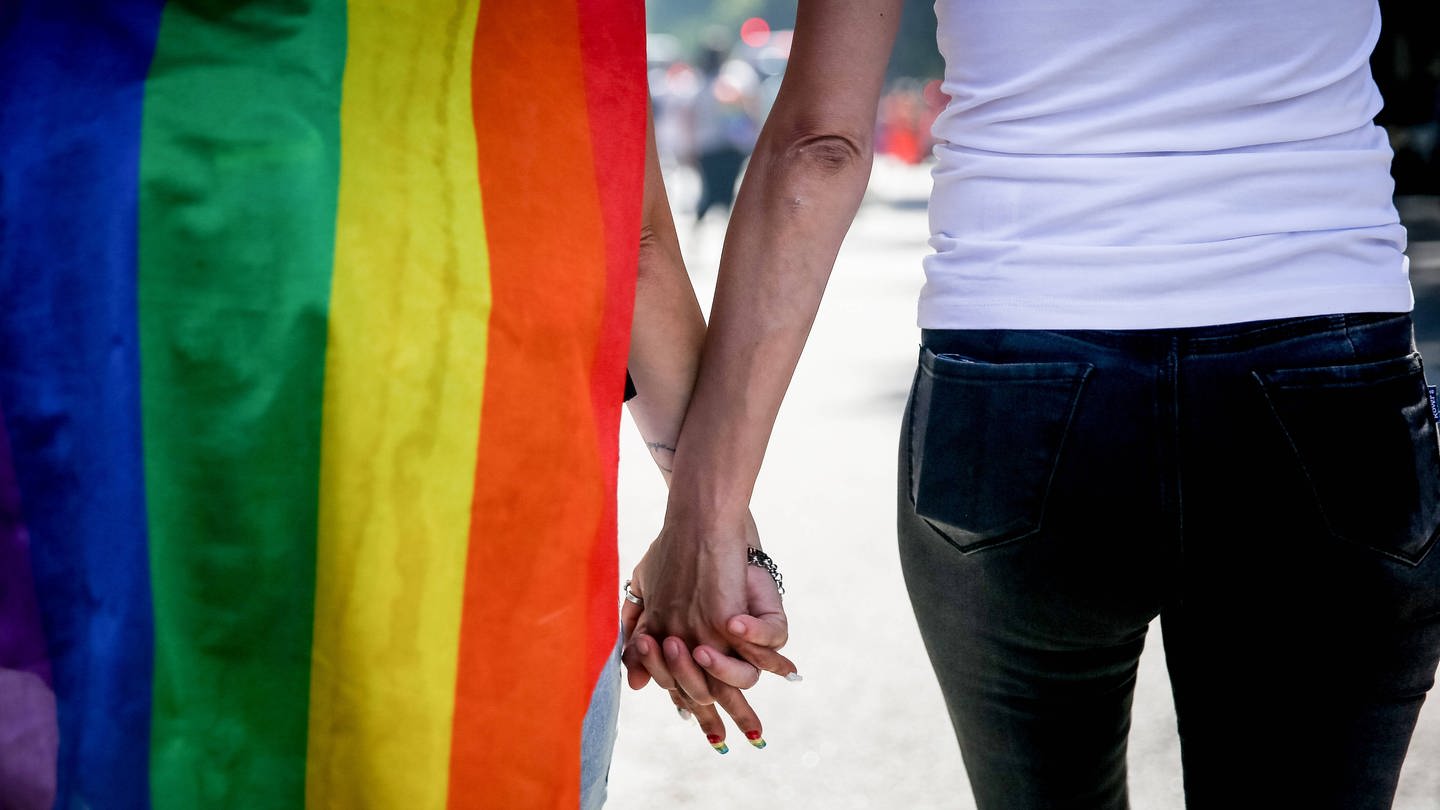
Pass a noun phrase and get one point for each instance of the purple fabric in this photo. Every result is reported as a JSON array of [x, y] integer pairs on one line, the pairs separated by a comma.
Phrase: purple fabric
[[22, 637], [29, 742]]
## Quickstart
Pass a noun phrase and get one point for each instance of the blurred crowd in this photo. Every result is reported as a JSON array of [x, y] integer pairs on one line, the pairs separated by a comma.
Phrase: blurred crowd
[[709, 105], [710, 101]]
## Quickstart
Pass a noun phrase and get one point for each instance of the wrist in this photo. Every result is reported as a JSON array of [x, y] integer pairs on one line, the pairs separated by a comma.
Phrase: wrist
[[701, 497], [707, 522]]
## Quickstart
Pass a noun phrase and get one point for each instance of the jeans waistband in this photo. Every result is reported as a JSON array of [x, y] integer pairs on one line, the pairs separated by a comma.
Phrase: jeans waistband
[[1206, 339]]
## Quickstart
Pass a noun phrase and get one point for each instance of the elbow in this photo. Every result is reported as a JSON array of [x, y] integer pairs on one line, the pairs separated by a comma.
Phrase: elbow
[[651, 251], [827, 151], [658, 260], [812, 167]]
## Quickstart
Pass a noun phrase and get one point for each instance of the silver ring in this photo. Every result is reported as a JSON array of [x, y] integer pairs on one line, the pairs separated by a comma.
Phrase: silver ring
[[631, 597]]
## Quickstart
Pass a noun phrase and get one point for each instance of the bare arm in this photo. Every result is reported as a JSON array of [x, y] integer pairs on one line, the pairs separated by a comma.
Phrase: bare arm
[[668, 329], [667, 333], [800, 193]]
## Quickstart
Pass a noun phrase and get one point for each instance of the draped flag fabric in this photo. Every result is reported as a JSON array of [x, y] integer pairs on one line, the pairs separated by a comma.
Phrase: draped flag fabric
[[313, 320]]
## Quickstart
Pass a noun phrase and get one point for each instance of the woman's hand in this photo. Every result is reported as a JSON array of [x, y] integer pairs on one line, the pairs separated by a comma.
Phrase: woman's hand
[[692, 637], [713, 727], [758, 634], [714, 602]]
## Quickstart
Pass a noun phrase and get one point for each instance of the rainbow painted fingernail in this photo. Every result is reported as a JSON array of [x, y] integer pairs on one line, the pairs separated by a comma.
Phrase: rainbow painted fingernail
[[718, 744], [755, 739]]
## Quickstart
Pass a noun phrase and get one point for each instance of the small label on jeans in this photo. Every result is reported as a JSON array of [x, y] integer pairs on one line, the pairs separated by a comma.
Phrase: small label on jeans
[[1434, 403]]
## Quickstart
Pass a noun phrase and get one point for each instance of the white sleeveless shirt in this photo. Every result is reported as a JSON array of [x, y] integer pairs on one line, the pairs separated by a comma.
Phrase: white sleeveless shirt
[[1117, 164]]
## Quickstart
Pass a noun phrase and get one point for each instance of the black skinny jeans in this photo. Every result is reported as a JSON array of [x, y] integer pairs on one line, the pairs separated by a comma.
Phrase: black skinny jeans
[[1271, 490]]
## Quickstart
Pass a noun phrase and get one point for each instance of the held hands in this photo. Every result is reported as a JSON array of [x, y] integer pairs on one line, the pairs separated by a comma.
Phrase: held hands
[[709, 624]]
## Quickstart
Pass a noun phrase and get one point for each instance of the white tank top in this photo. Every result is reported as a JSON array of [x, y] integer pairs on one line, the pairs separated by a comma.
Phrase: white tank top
[[1118, 164]]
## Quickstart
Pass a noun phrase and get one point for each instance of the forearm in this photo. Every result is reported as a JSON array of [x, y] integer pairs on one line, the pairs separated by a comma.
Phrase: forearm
[[668, 328], [800, 193], [797, 201], [664, 356]]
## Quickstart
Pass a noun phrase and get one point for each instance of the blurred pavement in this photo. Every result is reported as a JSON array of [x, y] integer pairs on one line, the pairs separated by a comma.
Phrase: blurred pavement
[[867, 728]]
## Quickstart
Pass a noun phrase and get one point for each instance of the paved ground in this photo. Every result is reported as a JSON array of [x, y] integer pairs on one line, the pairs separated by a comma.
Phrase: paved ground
[[867, 729]]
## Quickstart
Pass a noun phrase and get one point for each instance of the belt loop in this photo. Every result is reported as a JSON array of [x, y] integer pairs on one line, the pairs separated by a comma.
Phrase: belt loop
[[1345, 323]]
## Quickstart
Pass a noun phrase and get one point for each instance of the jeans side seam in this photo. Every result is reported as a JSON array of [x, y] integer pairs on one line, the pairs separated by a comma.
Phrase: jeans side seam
[[1168, 421], [910, 435]]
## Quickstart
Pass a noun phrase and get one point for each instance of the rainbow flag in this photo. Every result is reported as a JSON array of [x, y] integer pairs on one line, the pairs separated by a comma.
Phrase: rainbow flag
[[313, 322]]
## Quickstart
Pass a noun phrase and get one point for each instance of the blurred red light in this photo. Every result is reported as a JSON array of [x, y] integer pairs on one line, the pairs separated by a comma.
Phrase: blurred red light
[[755, 32]]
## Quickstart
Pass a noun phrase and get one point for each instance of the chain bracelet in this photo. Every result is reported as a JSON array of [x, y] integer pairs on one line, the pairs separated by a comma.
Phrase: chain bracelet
[[760, 559]]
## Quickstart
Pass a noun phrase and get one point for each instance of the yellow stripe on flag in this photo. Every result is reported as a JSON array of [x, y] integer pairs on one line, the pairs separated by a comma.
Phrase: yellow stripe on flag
[[405, 366]]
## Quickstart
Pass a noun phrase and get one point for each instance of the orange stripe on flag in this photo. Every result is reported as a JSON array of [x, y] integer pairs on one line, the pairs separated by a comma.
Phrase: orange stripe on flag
[[541, 486]]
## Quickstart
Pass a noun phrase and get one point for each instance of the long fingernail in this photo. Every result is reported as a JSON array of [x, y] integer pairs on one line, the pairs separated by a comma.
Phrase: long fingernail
[[794, 677], [718, 744], [684, 713], [755, 738]]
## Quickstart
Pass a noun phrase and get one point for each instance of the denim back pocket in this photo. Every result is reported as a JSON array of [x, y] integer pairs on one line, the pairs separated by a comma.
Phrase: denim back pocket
[[985, 439], [1365, 438]]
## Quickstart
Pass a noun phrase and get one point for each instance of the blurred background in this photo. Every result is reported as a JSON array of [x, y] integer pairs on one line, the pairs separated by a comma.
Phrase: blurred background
[[867, 727]]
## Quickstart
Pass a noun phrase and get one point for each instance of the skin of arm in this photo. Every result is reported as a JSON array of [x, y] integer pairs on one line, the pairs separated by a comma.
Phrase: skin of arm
[[667, 333], [668, 329], [799, 196]]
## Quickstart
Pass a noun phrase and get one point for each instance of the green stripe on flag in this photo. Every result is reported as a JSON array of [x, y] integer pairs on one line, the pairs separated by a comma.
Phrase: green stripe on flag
[[239, 173]]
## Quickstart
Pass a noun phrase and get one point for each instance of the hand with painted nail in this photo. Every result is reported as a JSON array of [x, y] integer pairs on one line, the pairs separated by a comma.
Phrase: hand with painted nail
[[700, 674], [758, 634], [709, 719], [709, 596]]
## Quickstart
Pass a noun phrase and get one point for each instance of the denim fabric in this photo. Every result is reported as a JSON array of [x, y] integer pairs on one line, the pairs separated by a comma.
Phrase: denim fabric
[[597, 735], [1271, 490]]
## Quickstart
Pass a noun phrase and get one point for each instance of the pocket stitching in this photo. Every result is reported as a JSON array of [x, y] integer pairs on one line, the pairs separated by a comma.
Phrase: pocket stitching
[[1276, 376], [1406, 559], [1078, 386]]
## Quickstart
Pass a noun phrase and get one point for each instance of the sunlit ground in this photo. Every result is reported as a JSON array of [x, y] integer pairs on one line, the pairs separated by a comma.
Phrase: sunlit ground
[[867, 728]]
